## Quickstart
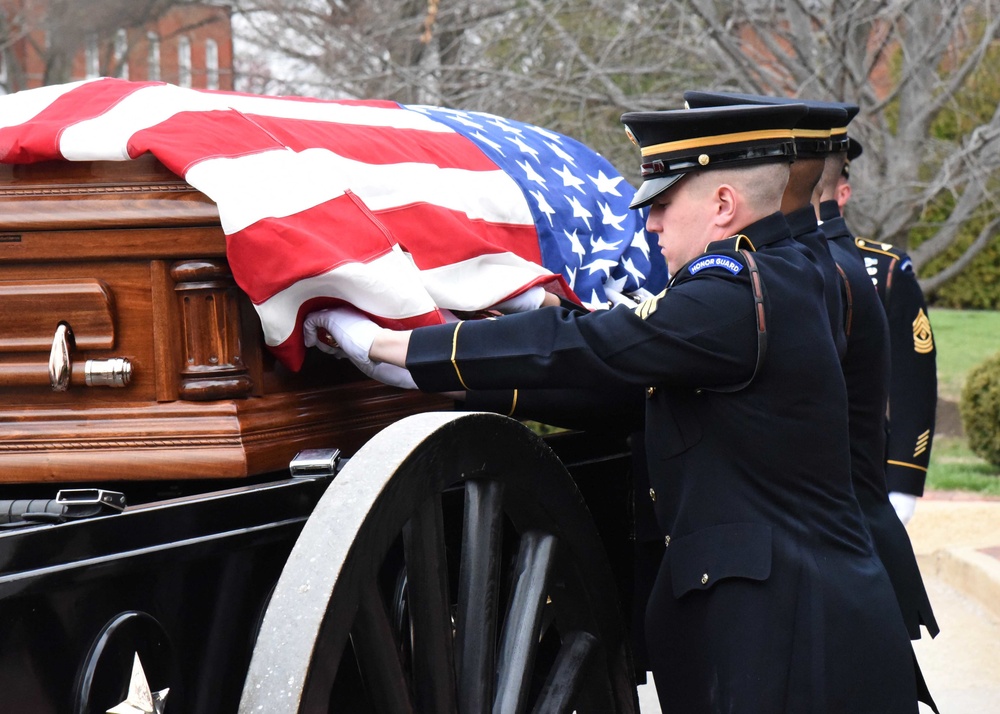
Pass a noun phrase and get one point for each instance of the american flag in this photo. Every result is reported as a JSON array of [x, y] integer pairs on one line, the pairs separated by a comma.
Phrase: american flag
[[400, 210]]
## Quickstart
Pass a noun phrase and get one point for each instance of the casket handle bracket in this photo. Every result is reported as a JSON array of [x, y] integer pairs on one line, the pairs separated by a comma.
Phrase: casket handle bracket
[[113, 372]]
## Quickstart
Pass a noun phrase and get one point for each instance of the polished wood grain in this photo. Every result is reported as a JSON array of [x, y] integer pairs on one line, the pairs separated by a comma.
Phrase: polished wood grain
[[134, 260], [86, 304]]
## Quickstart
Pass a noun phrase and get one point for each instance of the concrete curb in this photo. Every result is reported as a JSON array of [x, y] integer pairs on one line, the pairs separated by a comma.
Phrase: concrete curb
[[973, 571]]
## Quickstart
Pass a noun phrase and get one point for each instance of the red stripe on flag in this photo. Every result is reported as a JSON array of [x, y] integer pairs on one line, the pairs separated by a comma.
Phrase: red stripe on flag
[[274, 253], [189, 137], [436, 236], [38, 139]]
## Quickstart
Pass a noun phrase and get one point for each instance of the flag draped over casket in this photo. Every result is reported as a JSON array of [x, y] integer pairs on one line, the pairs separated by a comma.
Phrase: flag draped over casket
[[402, 211]]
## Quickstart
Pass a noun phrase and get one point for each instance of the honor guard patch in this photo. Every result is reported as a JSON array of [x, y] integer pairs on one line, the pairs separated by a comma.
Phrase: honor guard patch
[[716, 261], [923, 338]]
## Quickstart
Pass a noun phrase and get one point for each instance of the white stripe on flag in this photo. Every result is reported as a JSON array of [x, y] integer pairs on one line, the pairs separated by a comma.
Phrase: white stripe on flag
[[106, 137], [480, 282], [353, 283], [279, 183], [24, 106]]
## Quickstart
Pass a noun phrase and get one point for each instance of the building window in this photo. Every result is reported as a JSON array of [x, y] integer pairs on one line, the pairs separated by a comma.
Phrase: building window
[[92, 58], [153, 57], [121, 54], [184, 62], [211, 64]]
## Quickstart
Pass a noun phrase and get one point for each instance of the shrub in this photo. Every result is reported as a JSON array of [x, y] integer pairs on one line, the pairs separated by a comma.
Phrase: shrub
[[980, 407]]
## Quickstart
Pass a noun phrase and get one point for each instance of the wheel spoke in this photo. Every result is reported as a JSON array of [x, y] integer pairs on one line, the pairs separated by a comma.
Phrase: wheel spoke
[[519, 642], [565, 680], [477, 595], [427, 585], [378, 660]]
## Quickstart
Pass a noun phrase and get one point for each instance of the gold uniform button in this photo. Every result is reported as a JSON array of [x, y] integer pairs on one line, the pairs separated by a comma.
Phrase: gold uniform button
[[704, 578], [666, 541], [652, 495], [650, 391]]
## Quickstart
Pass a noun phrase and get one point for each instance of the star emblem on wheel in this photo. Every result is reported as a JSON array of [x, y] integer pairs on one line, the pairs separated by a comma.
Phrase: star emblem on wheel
[[141, 699]]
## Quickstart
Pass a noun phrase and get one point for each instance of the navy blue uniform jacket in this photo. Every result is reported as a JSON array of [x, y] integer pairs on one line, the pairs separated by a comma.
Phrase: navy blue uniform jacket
[[913, 382], [770, 597]]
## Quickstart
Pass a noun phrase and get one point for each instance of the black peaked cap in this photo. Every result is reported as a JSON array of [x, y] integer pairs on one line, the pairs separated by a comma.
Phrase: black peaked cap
[[810, 141], [676, 142]]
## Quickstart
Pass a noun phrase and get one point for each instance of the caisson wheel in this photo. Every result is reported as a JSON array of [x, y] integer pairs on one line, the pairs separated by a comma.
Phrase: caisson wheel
[[451, 566]]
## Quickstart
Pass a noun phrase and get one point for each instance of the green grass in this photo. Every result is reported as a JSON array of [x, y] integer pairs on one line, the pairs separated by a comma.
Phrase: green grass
[[964, 338], [954, 467]]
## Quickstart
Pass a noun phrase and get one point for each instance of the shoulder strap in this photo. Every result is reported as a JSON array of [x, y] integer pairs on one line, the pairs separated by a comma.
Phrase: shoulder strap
[[757, 285], [845, 291]]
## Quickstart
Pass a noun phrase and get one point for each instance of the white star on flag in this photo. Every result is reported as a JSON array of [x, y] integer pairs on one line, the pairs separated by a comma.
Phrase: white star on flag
[[557, 150], [608, 217], [598, 245], [632, 270], [605, 184], [530, 173], [543, 205], [570, 180], [579, 211], [595, 302], [525, 149], [575, 243], [639, 241], [600, 264]]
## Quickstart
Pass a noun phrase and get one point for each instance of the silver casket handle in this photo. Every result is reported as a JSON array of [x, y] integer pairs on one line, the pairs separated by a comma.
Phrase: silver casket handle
[[113, 372]]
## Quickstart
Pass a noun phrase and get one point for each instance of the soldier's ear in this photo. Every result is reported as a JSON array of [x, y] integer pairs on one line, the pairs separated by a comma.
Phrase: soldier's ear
[[726, 204], [843, 193]]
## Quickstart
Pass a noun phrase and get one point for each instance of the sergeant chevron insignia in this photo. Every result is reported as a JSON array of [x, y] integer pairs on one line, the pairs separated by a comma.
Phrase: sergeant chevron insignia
[[648, 307], [923, 338]]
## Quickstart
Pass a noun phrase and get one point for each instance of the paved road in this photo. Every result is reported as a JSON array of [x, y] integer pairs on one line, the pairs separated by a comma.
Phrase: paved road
[[961, 665]]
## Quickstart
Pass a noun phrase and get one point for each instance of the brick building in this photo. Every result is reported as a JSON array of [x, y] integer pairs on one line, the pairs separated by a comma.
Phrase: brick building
[[190, 45]]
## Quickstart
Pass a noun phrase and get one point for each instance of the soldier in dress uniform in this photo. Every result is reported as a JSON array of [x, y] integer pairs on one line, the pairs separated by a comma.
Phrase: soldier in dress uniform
[[769, 597], [913, 382], [866, 360]]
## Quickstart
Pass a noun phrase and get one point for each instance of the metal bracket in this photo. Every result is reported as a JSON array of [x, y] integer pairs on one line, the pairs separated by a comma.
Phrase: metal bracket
[[316, 463]]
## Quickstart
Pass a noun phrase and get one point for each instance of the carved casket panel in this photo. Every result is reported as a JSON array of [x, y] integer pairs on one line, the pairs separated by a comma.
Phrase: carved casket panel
[[127, 350]]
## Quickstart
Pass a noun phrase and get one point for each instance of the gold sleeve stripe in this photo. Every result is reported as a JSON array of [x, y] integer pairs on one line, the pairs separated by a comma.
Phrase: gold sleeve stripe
[[454, 351], [903, 463], [701, 142], [922, 441], [648, 307], [513, 405]]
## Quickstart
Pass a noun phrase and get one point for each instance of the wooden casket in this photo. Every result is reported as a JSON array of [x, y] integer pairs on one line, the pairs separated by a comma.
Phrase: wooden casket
[[128, 352]]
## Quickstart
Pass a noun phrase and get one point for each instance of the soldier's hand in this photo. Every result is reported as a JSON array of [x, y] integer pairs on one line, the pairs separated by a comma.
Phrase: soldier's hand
[[904, 503], [530, 299], [346, 332]]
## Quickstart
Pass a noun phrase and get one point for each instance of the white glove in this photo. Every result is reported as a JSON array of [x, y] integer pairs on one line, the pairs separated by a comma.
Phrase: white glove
[[352, 334], [530, 299], [904, 503]]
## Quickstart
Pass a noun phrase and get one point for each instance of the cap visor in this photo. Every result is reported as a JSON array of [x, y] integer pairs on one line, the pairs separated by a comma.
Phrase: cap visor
[[652, 188]]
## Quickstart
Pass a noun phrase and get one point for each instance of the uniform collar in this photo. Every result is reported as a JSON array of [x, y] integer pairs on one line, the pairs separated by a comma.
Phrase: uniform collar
[[802, 220], [828, 210], [766, 231]]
